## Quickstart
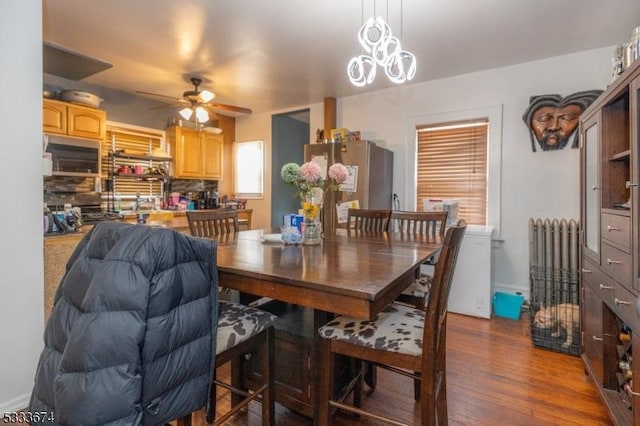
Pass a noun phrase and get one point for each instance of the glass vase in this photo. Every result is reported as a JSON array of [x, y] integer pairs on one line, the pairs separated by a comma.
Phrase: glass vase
[[312, 206]]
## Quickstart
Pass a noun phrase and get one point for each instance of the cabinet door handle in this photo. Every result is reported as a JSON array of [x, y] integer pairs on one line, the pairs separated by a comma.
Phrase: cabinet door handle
[[629, 184], [605, 287], [613, 262], [597, 339], [612, 228], [586, 271], [620, 302]]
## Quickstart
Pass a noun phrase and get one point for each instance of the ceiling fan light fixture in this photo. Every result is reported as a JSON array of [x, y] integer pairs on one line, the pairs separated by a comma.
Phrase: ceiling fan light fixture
[[202, 115], [186, 113], [206, 96]]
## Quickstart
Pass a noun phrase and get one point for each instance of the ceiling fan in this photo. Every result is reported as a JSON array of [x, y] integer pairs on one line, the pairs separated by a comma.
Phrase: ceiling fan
[[198, 102]]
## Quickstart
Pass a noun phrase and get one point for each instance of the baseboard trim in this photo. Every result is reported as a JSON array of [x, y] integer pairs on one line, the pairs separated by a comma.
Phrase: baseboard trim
[[16, 404]]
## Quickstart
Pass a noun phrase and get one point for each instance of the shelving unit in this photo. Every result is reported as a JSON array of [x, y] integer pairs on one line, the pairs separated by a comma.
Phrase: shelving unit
[[610, 214], [119, 157]]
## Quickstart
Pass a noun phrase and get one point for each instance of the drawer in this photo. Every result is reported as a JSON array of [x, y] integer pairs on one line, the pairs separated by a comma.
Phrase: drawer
[[603, 286], [624, 303], [616, 264], [616, 229]]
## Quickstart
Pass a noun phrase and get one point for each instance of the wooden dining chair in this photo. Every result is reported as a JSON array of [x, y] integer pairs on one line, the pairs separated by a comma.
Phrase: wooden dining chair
[[212, 223], [431, 223], [241, 329], [401, 339], [368, 220]]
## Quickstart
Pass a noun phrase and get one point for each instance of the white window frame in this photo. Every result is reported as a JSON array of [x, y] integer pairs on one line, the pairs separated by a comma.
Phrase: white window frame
[[240, 165], [494, 156]]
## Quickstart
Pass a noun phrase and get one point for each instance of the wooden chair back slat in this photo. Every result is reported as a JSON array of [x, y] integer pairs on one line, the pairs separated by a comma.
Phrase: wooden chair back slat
[[368, 220], [212, 223], [432, 223]]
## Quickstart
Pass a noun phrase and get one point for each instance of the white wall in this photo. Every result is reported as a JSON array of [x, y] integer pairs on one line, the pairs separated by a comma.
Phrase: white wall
[[541, 184], [258, 127], [21, 264]]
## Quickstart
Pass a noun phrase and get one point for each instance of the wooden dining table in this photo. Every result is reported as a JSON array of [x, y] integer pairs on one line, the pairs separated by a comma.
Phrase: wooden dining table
[[350, 273]]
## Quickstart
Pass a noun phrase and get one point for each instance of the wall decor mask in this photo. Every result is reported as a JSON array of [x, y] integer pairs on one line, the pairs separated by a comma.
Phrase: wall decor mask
[[553, 120]]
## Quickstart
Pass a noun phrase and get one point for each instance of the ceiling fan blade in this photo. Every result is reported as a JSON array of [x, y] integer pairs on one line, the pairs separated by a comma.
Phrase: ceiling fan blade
[[232, 108], [140, 92], [164, 106]]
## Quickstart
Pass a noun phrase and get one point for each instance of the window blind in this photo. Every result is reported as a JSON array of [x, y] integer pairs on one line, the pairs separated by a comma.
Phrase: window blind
[[452, 163]]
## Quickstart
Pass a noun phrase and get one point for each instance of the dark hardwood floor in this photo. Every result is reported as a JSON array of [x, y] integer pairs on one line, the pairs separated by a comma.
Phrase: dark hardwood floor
[[495, 376]]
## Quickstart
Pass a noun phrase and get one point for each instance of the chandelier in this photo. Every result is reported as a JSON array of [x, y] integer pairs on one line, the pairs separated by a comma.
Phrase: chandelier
[[383, 49]]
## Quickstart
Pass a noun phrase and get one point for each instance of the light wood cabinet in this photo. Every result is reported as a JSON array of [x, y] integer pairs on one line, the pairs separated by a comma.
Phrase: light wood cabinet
[[196, 154], [63, 118], [212, 156], [54, 117], [609, 156]]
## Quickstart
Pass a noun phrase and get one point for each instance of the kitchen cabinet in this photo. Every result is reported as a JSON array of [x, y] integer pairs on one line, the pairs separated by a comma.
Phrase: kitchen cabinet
[[196, 154], [63, 118], [610, 215]]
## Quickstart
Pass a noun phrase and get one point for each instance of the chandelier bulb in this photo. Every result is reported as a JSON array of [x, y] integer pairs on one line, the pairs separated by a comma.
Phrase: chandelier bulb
[[383, 49]]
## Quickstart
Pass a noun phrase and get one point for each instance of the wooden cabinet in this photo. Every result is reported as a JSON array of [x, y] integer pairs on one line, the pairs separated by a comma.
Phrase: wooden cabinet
[[610, 215], [297, 363], [63, 118], [212, 156], [197, 154]]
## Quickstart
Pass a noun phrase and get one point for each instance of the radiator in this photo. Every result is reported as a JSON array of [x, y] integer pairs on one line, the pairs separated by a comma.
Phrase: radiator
[[554, 275], [553, 260]]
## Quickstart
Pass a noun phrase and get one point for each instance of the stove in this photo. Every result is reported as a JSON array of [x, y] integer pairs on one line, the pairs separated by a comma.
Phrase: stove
[[90, 204], [94, 217]]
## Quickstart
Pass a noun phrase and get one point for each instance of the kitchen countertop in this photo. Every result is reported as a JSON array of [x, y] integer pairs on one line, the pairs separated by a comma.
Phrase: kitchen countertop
[[56, 237], [176, 219]]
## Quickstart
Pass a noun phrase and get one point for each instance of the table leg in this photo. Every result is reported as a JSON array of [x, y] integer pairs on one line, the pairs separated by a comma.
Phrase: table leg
[[320, 318], [370, 376]]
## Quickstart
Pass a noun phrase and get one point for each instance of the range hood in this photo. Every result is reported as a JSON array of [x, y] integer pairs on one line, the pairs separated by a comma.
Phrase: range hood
[[70, 65]]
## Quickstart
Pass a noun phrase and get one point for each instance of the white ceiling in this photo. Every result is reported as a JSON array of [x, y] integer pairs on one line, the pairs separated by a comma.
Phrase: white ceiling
[[277, 54]]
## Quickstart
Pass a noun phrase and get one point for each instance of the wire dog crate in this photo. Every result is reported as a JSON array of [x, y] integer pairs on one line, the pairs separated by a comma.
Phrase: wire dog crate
[[555, 287]]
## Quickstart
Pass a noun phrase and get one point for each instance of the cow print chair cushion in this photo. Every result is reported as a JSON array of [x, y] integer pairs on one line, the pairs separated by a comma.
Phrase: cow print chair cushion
[[237, 323], [419, 287], [397, 328]]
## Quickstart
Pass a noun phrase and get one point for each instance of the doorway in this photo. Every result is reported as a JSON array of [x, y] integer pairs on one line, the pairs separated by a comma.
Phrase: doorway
[[289, 135]]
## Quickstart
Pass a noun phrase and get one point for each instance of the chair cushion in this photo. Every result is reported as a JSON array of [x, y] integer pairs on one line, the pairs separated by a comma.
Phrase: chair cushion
[[237, 323], [420, 287], [397, 328]]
